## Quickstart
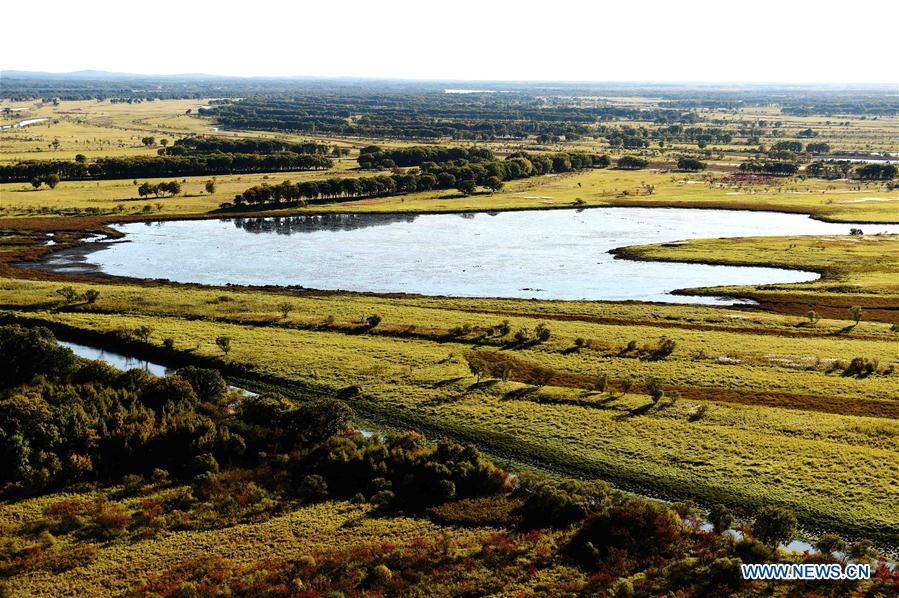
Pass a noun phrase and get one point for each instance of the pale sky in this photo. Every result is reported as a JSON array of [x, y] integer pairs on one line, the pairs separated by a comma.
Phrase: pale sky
[[799, 41]]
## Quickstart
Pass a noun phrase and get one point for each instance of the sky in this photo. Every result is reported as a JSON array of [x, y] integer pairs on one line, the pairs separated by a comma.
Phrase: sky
[[760, 41]]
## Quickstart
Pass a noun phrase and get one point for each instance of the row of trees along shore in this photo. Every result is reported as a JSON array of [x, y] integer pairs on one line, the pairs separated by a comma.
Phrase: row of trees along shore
[[461, 174], [163, 166]]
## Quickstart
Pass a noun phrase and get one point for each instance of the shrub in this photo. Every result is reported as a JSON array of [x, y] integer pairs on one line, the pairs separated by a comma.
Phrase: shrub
[[142, 333], [313, 488], [373, 320], [861, 367], [204, 463], [68, 294], [664, 349], [522, 335], [30, 351], [503, 328], [549, 503], [91, 295], [542, 332], [643, 531]]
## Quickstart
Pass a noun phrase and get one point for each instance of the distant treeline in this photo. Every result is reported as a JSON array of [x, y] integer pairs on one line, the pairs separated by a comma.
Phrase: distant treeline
[[375, 157], [412, 115], [825, 170], [458, 174], [773, 167], [208, 145], [163, 166]]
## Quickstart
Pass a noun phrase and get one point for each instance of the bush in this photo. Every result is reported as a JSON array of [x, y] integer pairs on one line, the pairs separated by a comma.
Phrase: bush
[[30, 351], [91, 295], [204, 463], [548, 503], [664, 349], [68, 294], [861, 367], [313, 488], [373, 320], [642, 531], [542, 332]]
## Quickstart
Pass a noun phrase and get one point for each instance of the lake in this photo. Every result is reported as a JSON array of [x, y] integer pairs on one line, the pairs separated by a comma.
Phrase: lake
[[543, 254]]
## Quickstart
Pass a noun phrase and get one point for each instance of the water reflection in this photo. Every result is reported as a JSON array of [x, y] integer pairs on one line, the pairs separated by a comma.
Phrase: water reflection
[[311, 223]]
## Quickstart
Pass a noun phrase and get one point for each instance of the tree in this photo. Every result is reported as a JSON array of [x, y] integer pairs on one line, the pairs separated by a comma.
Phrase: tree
[[466, 186], [632, 163], [164, 142], [494, 183], [655, 390], [91, 295], [856, 312], [36, 183], [721, 518], [542, 332], [210, 187], [148, 141], [285, 308], [146, 189], [830, 543], [142, 333], [208, 384], [224, 343], [692, 164], [812, 316], [52, 180], [80, 158], [373, 320], [476, 364], [774, 525], [541, 376]]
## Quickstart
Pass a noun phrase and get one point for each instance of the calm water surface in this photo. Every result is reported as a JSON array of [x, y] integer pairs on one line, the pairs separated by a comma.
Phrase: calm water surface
[[555, 254]]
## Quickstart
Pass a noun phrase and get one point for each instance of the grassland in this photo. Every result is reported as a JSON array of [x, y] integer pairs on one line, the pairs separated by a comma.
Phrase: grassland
[[758, 409], [749, 394]]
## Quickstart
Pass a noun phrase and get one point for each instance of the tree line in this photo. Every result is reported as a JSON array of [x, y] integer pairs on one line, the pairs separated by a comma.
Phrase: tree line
[[458, 174], [163, 166], [372, 157], [208, 145], [825, 170]]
